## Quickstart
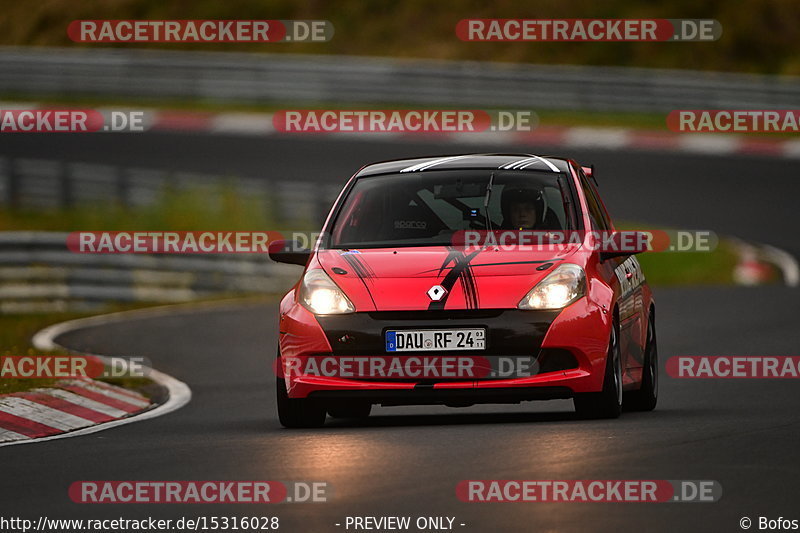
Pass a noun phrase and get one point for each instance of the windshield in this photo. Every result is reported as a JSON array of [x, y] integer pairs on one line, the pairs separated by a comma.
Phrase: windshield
[[428, 208]]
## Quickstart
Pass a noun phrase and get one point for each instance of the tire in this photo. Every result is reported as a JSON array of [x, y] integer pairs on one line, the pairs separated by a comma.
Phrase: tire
[[298, 412], [608, 402], [350, 409], [646, 398]]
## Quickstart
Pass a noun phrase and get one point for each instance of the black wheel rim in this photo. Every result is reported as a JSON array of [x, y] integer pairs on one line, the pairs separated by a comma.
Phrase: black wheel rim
[[617, 366], [652, 354]]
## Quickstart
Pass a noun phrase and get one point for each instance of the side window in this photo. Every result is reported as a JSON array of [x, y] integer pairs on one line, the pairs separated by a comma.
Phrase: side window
[[595, 211], [600, 204]]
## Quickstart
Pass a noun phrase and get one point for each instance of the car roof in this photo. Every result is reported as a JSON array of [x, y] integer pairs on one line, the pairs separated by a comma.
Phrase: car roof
[[518, 161]]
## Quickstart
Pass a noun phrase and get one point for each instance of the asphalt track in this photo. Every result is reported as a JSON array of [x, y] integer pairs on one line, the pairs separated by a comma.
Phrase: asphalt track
[[407, 461]]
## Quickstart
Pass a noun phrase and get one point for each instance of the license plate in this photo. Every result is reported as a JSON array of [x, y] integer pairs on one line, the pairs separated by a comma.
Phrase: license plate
[[433, 340]]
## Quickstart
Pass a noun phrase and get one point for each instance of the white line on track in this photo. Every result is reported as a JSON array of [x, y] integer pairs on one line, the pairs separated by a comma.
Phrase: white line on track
[[179, 392]]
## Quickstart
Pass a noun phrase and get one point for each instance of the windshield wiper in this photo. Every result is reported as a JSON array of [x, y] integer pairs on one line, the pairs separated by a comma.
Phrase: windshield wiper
[[486, 199]]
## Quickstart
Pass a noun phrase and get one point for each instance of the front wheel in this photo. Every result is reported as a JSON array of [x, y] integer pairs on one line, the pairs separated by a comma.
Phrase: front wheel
[[298, 412], [646, 398], [608, 402]]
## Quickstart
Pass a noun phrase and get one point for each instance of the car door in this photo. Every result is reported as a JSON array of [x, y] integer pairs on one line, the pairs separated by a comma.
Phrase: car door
[[623, 273]]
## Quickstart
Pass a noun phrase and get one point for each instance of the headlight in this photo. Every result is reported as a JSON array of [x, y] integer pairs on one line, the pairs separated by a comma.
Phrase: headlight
[[320, 295], [560, 288]]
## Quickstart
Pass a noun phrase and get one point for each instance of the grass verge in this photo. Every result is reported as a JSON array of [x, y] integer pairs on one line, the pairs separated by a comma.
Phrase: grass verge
[[213, 208], [670, 268], [690, 268], [16, 332]]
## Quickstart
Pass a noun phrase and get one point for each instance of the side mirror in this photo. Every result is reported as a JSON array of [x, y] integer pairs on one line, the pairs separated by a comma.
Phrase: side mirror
[[625, 243], [289, 252]]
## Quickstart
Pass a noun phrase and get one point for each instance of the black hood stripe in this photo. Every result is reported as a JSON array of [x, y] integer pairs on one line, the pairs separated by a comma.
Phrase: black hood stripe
[[470, 288], [459, 268], [363, 273], [368, 272], [359, 267], [473, 265]]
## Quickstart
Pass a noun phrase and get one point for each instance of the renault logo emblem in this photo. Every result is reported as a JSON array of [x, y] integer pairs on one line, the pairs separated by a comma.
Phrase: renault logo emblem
[[436, 293]]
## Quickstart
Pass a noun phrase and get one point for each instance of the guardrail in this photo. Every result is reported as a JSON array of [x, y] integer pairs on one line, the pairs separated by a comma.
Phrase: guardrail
[[38, 273], [307, 79], [47, 183]]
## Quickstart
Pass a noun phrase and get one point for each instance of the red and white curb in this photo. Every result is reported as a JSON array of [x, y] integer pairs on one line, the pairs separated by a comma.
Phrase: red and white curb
[[77, 407], [568, 137], [68, 406], [759, 264], [260, 124]]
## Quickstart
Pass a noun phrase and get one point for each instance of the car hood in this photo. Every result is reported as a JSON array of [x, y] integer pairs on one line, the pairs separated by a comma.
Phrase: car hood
[[401, 278]]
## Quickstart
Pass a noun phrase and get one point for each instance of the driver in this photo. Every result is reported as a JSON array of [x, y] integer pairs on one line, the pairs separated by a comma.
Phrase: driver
[[522, 208]]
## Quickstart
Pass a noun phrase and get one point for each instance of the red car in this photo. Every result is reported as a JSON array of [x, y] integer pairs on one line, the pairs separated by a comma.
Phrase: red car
[[466, 279]]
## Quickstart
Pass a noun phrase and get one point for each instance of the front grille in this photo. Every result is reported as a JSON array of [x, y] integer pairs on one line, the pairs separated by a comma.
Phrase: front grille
[[436, 314], [509, 331]]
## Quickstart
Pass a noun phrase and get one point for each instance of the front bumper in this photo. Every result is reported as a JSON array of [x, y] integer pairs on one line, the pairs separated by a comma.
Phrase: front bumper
[[568, 348], [448, 396]]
